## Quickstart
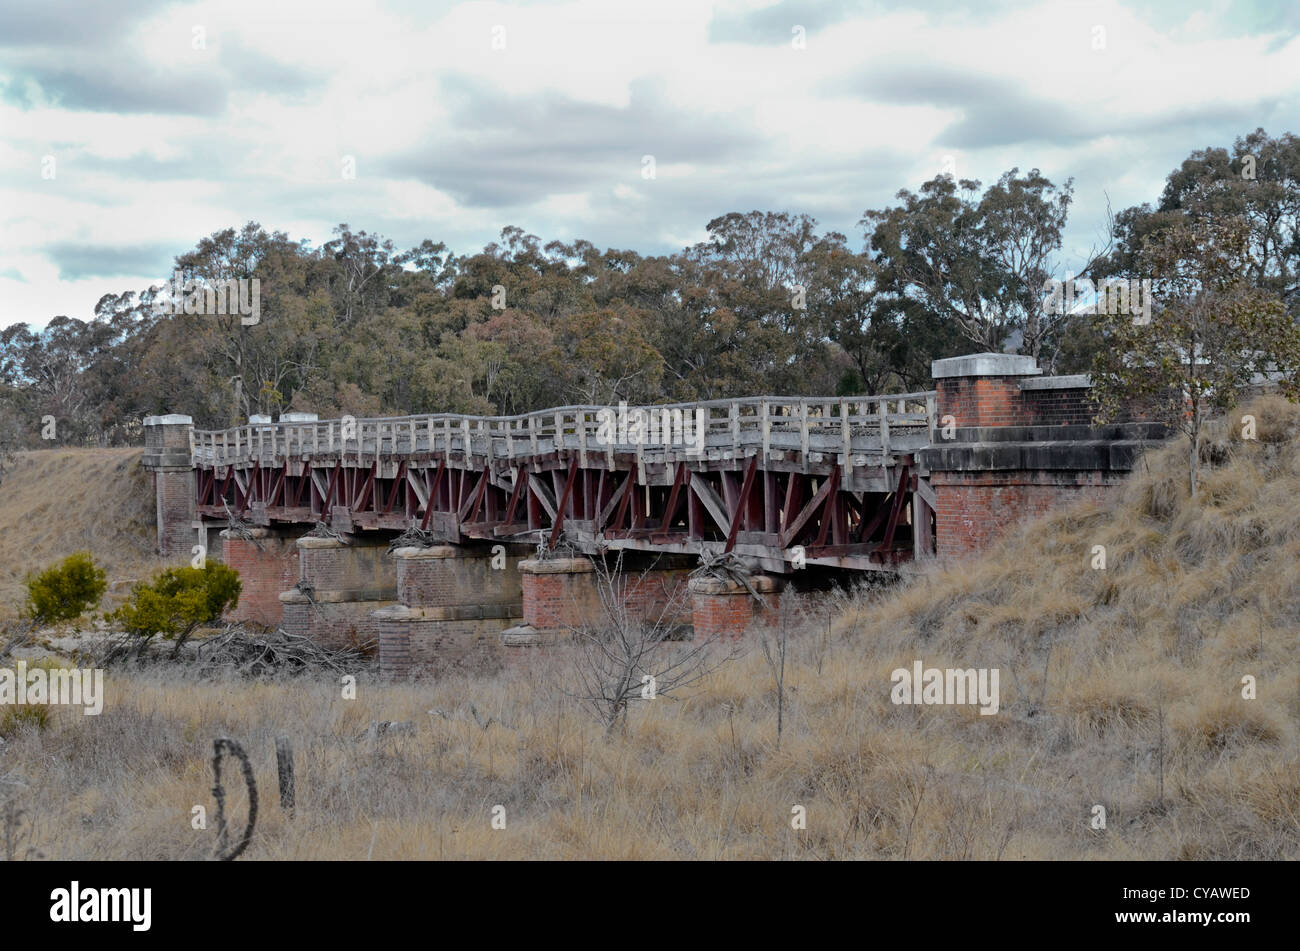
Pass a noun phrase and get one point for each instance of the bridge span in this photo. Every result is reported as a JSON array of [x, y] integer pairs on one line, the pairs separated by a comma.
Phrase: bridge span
[[832, 482], [494, 522]]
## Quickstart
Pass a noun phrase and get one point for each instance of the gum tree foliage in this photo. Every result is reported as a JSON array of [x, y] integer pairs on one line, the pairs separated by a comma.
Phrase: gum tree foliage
[[1213, 333], [64, 370], [1257, 180], [976, 263], [256, 364], [358, 326], [65, 591]]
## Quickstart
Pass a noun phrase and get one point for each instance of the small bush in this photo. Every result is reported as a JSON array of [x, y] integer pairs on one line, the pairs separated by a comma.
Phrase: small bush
[[178, 600], [64, 592], [15, 715]]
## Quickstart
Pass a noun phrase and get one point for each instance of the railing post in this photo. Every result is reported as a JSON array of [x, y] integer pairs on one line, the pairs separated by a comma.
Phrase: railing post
[[884, 431], [581, 423], [845, 435], [767, 432], [803, 433]]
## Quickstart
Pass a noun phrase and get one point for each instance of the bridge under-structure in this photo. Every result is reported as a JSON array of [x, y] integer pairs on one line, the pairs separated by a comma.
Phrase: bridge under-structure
[[496, 524]]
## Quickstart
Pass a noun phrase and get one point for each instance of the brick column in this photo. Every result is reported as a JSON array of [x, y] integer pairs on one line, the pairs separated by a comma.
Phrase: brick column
[[560, 595], [983, 389], [268, 564], [167, 457], [453, 603], [725, 609], [342, 582]]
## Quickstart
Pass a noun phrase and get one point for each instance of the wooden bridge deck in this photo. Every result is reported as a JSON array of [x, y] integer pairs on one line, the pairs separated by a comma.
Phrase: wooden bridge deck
[[786, 481]]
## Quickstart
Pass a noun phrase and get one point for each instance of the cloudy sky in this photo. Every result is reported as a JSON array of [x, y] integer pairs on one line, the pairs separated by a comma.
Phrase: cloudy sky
[[128, 130]]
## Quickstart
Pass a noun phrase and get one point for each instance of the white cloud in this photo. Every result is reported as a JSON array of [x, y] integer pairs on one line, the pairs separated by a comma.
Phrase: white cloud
[[283, 91]]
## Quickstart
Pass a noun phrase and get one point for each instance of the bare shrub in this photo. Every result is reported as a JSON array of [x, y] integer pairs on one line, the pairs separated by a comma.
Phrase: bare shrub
[[627, 656]]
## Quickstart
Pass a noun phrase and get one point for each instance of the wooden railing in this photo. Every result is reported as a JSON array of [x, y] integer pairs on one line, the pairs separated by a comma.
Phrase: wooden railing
[[839, 426]]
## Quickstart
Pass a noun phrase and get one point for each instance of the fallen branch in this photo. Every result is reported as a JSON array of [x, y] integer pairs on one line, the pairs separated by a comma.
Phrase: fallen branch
[[255, 652]]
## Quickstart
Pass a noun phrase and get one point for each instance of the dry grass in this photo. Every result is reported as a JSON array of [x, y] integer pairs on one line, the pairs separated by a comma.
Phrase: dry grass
[[57, 501], [1120, 687]]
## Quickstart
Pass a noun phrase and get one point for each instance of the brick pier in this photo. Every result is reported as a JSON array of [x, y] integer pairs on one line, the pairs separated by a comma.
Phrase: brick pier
[[342, 582], [453, 601]]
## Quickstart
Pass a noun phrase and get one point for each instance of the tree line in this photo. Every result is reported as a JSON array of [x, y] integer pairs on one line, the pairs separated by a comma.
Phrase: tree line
[[767, 304]]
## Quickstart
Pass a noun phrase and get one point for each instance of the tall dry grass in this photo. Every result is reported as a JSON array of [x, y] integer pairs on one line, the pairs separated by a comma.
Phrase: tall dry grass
[[1120, 687]]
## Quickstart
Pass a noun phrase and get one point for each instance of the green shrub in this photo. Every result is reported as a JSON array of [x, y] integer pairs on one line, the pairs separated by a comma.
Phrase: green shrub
[[64, 592], [178, 600]]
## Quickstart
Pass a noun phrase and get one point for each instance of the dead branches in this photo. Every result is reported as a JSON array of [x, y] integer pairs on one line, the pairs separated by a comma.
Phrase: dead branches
[[627, 656], [254, 653]]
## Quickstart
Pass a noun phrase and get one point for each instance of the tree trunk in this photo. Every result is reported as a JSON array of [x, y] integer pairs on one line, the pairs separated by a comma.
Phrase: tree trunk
[[1032, 342]]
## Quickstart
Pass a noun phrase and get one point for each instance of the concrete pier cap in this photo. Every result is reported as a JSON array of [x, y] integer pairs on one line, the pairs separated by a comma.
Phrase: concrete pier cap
[[985, 364], [422, 553], [763, 584], [170, 419], [557, 566], [317, 541]]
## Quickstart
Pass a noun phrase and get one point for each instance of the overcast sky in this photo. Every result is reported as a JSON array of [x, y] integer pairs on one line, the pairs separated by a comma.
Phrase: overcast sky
[[129, 130]]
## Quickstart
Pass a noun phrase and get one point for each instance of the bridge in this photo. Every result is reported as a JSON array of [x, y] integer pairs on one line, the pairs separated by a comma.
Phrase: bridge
[[835, 479], [495, 520]]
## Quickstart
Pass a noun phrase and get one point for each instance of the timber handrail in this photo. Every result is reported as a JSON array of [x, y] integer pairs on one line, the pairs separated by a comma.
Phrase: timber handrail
[[758, 423]]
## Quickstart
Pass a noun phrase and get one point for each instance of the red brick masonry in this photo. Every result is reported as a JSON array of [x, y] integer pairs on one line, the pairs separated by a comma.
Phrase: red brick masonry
[[347, 583], [1011, 456], [268, 565], [725, 609], [975, 507], [1001, 401], [562, 594], [454, 601]]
